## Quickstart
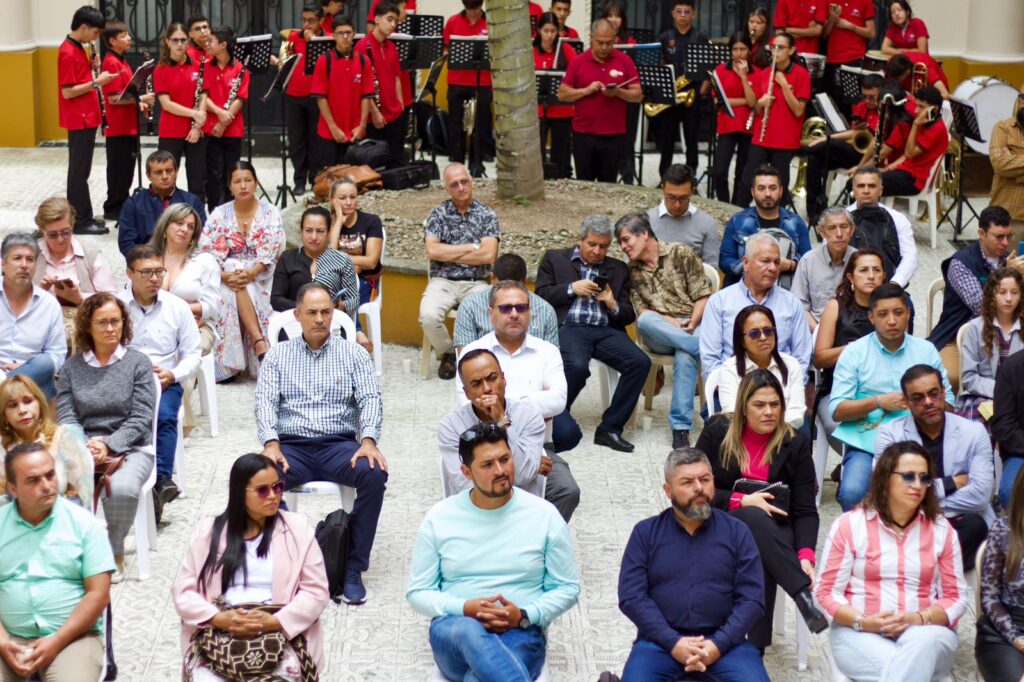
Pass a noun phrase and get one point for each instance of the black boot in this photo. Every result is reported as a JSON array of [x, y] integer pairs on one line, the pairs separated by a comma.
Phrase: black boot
[[815, 619]]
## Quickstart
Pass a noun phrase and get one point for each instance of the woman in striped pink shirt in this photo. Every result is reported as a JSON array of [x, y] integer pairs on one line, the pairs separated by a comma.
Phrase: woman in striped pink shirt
[[891, 577]]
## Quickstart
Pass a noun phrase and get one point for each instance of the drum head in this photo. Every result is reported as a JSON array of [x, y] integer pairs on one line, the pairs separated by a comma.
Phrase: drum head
[[993, 98]]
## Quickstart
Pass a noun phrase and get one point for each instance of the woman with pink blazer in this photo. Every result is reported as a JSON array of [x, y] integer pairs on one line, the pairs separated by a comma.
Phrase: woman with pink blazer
[[253, 553]]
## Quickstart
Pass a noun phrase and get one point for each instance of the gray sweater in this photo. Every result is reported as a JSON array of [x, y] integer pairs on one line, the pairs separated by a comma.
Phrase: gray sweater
[[116, 401]]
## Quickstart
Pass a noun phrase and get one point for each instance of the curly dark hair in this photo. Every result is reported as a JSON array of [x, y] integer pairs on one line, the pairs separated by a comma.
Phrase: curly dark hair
[[988, 304], [844, 292], [83, 320], [877, 497]]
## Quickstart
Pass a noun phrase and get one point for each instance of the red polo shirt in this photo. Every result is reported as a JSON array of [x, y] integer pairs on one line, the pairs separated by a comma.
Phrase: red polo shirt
[[906, 38], [569, 32], [733, 87], [383, 56], [935, 72], [800, 14], [327, 24], [457, 25], [218, 82], [122, 119], [299, 84], [598, 114], [783, 126], [545, 61], [410, 8], [933, 139], [869, 116], [73, 68], [344, 81], [843, 44], [179, 82], [194, 52]]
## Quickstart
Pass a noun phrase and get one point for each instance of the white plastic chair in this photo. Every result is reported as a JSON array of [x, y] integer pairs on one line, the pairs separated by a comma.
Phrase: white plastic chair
[[145, 514], [438, 676], [937, 286], [608, 381], [208, 393], [929, 195], [372, 310], [710, 387]]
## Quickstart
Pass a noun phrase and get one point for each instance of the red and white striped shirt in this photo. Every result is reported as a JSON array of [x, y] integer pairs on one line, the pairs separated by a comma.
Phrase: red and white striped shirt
[[868, 566]]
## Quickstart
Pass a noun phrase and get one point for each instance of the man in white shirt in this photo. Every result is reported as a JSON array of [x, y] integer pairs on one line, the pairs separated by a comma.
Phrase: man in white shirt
[[899, 258], [163, 328], [678, 220], [32, 341], [533, 372]]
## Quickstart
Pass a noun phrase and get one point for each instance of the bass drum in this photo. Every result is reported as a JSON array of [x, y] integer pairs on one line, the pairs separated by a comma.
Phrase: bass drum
[[994, 99]]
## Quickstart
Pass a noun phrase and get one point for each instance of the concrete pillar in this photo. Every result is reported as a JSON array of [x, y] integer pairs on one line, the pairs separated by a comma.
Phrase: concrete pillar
[[995, 32]]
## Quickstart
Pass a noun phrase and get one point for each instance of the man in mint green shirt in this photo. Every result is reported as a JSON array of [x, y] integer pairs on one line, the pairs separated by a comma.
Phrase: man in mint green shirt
[[55, 566], [493, 566]]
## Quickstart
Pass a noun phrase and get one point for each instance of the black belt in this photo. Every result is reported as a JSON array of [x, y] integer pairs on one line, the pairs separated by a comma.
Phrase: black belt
[[463, 279]]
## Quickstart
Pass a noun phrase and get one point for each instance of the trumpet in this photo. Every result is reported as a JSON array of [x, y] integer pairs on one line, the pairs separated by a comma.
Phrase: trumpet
[[683, 96]]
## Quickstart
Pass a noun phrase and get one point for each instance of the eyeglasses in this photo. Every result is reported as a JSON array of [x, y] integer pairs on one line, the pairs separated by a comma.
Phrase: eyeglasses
[[63, 234], [909, 477], [179, 41], [934, 395], [755, 334], [507, 308], [454, 184], [150, 274], [108, 324], [675, 199], [343, 34], [682, 12], [263, 491]]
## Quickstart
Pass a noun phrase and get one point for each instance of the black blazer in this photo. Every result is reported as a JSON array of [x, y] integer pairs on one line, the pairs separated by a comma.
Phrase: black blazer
[[791, 465], [556, 272]]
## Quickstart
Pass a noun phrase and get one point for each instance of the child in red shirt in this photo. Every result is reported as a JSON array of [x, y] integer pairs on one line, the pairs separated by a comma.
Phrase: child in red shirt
[[926, 143], [383, 55], [225, 126]]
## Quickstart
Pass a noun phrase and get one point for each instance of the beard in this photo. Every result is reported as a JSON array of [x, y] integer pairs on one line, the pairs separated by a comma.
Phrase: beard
[[693, 510]]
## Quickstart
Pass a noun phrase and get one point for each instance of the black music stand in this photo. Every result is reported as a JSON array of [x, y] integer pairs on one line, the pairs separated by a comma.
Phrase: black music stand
[[647, 54], [699, 63], [254, 53], [421, 25], [547, 83], [721, 102], [430, 88], [470, 53], [642, 35], [577, 43], [826, 108], [131, 94], [284, 74], [659, 87], [965, 125], [315, 48]]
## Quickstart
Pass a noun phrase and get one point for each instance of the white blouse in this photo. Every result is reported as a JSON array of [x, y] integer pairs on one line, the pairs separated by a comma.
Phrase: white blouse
[[796, 404], [199, 282], [258, 586]]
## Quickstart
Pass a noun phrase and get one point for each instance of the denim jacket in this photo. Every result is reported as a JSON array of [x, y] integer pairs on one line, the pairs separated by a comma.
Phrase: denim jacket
[[746, 223]]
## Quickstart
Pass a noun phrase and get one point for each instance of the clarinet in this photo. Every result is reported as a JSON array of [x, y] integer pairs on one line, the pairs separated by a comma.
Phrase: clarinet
[[99, 91], [149, 91], [235, 85], [199, 87]]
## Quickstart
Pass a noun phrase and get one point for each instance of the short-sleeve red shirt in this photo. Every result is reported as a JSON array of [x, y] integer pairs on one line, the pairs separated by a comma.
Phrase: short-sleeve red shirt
[[569, 32], [179, 82], [933, 139], [844, 45], [122, 119], [410, 8], [545, 61], [218, 81], [194, 52], [869, 116], [298, 85], [783, 126], [457, 25], [935, 72], [733, 87], [344, 81], [906, 38], [73, 68], [598, 114], [800, 14], [383, 57]]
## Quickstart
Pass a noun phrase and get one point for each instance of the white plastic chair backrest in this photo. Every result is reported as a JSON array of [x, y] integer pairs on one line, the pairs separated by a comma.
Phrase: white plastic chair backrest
[[714, 279], [710, 386], [933, 175], [285, 320], [937, 286], [156, 409], [961, 333], [977, 578]]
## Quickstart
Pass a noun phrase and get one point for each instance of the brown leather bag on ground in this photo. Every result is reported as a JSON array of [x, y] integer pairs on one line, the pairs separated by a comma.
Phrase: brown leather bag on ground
[[365, 177]]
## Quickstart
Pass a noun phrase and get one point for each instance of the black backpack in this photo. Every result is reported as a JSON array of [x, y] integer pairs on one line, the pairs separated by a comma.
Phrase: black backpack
[[332, 536], [876, 230]]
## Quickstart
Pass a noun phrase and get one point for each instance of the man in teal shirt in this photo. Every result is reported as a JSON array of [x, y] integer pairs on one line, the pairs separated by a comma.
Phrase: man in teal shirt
[[55, 566], [493, 566]]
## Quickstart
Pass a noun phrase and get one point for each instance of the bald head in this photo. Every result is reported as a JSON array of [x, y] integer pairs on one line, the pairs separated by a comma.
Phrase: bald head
[[602, 39]]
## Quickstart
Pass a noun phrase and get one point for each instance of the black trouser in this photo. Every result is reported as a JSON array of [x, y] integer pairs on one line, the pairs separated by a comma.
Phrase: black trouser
[[394, 135], [326, 153], [458, 95], [301, 116], [195, 161], [579, 343], [777, 547], [627, 162], [757, 156], [997, 660], [561, 141], [121, 154], [840, 155], [81, 144], [833, 87], [666, 131], [597, 156], [972, 530], [221, 153], [724, 148], [898, 183]]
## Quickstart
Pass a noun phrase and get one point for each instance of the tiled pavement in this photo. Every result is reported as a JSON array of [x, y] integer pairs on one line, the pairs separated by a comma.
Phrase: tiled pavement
[[384, 639]]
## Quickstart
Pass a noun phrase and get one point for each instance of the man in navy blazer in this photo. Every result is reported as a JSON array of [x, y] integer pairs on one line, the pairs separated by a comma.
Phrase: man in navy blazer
[[590, 294], [143, 208]]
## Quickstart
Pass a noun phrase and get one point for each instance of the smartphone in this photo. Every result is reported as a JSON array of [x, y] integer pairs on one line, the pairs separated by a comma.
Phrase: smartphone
[[601, 281], [65, 283], [1020, 248]]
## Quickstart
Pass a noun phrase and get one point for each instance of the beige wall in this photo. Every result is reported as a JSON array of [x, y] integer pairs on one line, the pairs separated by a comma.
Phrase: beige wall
[[994, 28], [446, 8]]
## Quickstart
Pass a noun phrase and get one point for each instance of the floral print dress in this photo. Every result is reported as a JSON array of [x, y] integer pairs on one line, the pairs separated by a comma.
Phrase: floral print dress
[[233, 250]]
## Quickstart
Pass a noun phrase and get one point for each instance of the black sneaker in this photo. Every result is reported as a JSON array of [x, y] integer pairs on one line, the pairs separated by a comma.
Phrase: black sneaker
[[446, 370], [168, 492], [89, 228], [680, 439]]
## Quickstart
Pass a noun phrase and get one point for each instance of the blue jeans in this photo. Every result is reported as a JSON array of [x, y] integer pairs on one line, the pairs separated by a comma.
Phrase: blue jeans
[[167, 429], [39, 368], [857, 466], [1011, 467], [664, 338], [648, 662], [464, 650]]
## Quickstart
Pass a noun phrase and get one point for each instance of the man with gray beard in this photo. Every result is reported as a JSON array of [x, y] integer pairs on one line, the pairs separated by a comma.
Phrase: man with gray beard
[[691, 581]]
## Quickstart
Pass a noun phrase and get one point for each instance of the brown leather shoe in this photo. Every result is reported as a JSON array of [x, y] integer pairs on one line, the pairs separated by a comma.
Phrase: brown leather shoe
[[659, 380]]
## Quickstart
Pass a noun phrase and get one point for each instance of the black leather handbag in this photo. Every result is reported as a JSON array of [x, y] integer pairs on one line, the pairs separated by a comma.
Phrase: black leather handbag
[[778, 490]]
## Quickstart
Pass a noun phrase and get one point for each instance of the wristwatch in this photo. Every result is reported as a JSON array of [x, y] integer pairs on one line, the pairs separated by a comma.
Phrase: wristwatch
[[857, 624], [476, 246], [524, 620], [505, 422]]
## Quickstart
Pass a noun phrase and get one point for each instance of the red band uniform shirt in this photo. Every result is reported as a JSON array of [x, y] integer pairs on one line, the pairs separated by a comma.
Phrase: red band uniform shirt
[[733, 87], [122, 119], [800, 14], [783, 126], [598, 114], [73, 68], [845, 46], [345, 82], [383, 57], [179, 82], [218, 82]]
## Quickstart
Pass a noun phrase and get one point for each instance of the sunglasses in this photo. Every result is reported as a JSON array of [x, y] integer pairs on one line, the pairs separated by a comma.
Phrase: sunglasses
[[755, 334], [263, 491], [507, 308], [934, 395], [910, 476]]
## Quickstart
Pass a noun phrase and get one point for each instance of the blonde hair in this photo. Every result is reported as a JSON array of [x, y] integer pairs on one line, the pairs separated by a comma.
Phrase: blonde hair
[[8, 389], [732, 447], [173, 214], [52, 210]]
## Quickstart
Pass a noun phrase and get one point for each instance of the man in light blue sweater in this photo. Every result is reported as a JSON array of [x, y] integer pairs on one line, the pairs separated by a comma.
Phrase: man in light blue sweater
[[493, 567]]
